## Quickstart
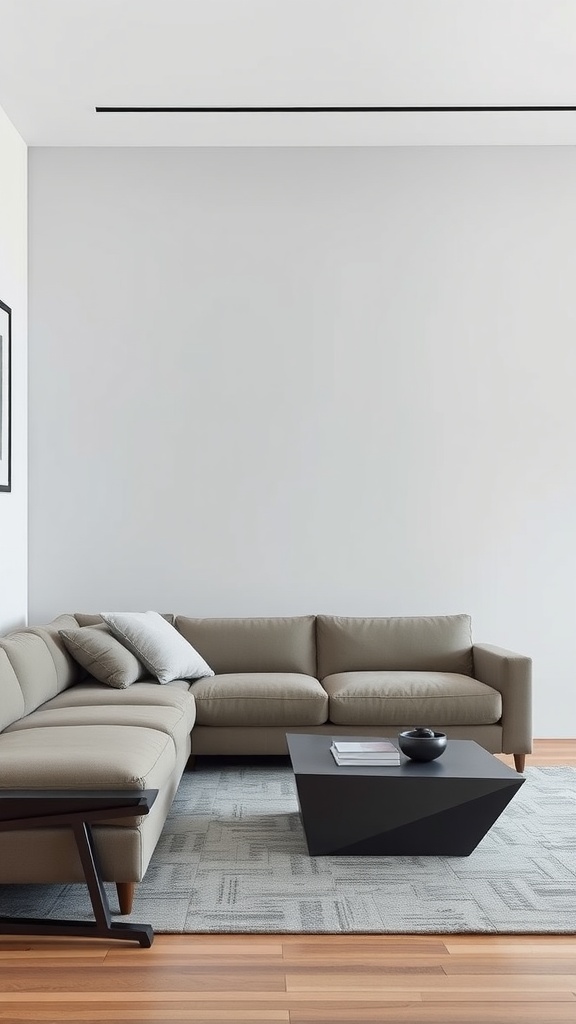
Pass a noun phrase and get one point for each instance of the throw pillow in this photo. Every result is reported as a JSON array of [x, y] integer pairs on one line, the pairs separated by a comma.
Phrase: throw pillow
[[157, 644], [103, 656]]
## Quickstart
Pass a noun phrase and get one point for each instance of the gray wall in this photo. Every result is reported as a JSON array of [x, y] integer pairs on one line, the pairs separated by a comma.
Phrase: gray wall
[[287, 381]]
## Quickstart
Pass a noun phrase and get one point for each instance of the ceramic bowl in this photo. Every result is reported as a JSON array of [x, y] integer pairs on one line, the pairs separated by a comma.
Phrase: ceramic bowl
[[422, 748]]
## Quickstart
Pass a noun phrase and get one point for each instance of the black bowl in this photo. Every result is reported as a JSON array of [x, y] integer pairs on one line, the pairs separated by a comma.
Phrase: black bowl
[[422, 748]]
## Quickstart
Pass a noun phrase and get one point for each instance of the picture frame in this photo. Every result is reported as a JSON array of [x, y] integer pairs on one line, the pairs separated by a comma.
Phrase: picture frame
[[5, 397]]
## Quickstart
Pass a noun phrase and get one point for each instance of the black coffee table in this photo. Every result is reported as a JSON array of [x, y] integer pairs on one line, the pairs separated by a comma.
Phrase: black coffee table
[[442, 808]]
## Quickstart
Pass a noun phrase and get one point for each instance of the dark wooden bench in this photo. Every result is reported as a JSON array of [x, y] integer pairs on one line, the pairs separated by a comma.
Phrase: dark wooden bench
[[78, 810]]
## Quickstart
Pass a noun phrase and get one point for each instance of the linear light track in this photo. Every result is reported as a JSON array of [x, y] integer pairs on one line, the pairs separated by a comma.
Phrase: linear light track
[[331, 110]]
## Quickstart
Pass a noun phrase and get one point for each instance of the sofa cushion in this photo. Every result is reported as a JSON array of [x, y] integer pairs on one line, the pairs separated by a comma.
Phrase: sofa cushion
[[12, 698], [67, 670], [441, 643], [86, 757], [163, 650], [95, 619], [176, 722], [231, 645], [103, 656], [410, 698], [40, 661], [172, 695], [260, 698], [33, 665]]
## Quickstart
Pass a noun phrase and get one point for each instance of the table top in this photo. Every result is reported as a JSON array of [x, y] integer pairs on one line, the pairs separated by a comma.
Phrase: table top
[[464, 759]]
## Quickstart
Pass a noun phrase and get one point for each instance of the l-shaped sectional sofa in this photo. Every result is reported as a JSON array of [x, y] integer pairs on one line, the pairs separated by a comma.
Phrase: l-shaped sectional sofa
[[62, 729]]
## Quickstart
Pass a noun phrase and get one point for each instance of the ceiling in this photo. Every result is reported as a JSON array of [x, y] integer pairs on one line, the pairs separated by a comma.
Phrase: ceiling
[[59, 59]]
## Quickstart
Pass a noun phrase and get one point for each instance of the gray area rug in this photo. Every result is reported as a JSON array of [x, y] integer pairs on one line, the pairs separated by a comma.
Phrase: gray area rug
[[233, 858]]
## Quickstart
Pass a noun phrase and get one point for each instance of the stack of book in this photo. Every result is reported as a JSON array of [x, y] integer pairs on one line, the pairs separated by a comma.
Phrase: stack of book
[[365, 752]]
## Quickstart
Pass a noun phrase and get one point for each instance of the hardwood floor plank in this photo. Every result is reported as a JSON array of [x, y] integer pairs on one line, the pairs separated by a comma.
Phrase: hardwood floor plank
[[56, 946], [492, 963], [190, 1013], [206, 999], [96, 1006], [343, 1016], [367, 947], [452, 1013], [195, 946], [409, 965], [310, 945], [365, 960], [512, 945], [486, 995], [50, 958], [142, 979], [321, 982], [203, 962]]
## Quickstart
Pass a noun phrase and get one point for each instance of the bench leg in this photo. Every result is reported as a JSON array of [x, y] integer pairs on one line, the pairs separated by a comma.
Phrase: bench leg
[[102, 927], [125, 892], [520, 762]]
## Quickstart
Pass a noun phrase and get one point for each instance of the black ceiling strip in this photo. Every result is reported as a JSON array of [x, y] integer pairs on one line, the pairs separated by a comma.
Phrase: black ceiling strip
[[321, 110]]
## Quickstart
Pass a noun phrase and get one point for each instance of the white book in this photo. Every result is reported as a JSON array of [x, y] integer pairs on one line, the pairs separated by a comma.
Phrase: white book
[[375, 760], [368, 757], [386, 761], [367, 764], [377, 747]]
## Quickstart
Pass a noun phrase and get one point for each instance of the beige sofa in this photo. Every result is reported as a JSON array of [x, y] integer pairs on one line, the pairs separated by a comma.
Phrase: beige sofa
[[308, 673]]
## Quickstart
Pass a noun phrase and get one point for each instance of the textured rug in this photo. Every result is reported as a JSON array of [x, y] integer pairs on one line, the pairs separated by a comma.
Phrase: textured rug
[[233, 858]]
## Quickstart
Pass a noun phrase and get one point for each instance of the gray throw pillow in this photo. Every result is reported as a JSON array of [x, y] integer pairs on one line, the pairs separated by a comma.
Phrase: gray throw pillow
[[103, 656]]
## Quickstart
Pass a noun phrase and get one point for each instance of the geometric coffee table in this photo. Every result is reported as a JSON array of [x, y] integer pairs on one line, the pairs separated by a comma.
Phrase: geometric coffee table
[[438, 808]]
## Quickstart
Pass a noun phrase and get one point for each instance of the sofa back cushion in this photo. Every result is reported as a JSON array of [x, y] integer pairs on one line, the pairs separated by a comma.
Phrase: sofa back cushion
[[11, 697], [439, 643], [95, 618], [67, 671], [253, 644], [34, 667], [40, 663]]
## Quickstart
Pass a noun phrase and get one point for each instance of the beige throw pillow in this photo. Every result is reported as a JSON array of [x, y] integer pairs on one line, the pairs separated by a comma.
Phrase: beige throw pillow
[[103, 656], [166, 654]]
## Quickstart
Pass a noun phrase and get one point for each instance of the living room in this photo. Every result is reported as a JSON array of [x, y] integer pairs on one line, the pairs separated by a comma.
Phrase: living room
[[289, 363]]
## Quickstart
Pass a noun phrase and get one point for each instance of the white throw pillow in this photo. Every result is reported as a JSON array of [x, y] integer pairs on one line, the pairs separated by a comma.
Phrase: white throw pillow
[[158, 645]]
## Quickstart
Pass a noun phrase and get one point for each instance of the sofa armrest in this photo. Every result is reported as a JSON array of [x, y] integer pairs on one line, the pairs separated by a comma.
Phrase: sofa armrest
[[511, 675]]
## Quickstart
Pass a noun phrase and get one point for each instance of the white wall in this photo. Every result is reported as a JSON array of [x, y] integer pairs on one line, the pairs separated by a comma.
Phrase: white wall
[[13, 292], [287, 381]]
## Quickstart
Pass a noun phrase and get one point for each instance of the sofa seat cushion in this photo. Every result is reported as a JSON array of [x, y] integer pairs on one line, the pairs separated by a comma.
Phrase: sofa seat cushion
[[175, 722], [150, 693], [413, 698], [86, 757], [260, 698]]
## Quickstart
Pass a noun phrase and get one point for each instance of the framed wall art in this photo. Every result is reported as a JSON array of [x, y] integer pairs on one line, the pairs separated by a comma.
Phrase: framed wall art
[[5, 397]]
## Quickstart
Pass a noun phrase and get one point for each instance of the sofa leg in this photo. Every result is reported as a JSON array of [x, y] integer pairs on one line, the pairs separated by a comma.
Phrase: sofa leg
[[520, 762], [125, 892]]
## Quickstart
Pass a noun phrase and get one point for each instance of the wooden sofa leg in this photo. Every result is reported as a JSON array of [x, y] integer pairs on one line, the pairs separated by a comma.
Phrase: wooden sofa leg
[[520, 762], [125, 892]]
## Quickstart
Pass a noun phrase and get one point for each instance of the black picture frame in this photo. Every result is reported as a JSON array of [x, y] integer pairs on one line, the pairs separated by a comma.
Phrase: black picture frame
[[5, 397]]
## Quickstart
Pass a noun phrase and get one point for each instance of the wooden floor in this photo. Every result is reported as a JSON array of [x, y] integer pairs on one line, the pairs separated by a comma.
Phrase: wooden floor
[[298, 979]]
